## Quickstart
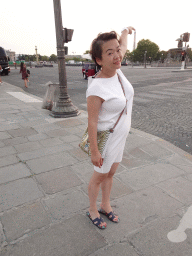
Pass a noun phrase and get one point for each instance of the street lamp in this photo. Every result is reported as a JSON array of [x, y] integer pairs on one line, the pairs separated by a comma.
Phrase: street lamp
[[63, 107]]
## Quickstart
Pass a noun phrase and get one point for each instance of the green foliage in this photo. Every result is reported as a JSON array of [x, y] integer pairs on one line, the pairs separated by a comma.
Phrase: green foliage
[[53, 57], [146, 45], [45, 58], [87, 52], [127, 55]]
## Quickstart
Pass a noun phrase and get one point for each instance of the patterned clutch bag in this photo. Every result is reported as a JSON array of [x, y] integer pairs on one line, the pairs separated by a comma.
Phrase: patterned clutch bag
[[102, 137]]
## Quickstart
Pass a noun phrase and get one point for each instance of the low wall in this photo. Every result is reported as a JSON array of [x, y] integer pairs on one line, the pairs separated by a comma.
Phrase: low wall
[[189, 64]]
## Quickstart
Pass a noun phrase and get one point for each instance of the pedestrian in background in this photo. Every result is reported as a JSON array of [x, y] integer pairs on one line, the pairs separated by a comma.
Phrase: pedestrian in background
[[1, 70], [105, 101], [23, 70]]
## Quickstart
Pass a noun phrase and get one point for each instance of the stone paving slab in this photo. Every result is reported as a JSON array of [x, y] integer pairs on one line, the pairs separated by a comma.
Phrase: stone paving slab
[[50, 162], [55, 241], [148, 175], [23, 220], [8, 160], [2, 236], [15, 141], [130, 163], [137, 210], [70, 138], [22, 132], [17, 193], [4, 135], [121, 249], [37, 137], [179, 188], [5, 151], [155, 150], [67, 203], [57, 133], [152, 239], [50, 142], [44, 152], [1, 144], [28, 146], [46, 128], [58, 180], [13, 172], [8, 126], [70, 122], [84, 170]]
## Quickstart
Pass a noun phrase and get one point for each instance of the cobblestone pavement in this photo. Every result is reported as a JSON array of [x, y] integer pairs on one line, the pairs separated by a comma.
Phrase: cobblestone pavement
[[162, 103], [165, 112]]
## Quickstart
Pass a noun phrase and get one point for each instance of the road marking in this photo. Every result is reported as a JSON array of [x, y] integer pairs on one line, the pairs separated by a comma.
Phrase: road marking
[[24, 97], [178, 235], [137, 99], [179, 90], [154, 96], [167, 93]]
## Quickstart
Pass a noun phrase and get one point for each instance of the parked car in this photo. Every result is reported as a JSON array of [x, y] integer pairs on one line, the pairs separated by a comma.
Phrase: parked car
[[124, 63], [4, 62]]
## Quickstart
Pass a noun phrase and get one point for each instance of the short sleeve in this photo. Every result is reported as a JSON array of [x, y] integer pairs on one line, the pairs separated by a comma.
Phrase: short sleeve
[[96, 89]]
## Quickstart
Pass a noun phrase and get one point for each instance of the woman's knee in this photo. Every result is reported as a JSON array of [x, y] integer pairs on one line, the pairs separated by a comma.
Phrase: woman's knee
[[99, 177], [113, 170]]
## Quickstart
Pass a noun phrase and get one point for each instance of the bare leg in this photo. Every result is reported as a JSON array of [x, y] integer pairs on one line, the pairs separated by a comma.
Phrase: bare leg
[[93, 191], [25, 81], [106, 186], [0, 80]]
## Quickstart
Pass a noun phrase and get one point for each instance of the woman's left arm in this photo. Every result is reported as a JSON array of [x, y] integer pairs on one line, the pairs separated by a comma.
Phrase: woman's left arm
[[123, 39]]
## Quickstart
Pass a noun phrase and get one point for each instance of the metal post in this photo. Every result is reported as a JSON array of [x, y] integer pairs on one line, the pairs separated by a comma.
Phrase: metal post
[[145, 59], [37, 57], [63, 107]]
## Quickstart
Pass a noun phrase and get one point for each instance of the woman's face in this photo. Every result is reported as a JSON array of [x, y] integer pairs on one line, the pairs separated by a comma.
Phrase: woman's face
[[111, 55]]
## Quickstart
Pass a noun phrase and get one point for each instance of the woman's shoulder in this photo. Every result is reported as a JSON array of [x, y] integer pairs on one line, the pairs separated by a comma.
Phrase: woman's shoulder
[[92, 81]]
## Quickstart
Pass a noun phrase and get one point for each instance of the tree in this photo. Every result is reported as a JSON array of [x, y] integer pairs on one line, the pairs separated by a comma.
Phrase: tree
[[53, 57], [127, 56], [45, 58], [86, 52], [146, 45]]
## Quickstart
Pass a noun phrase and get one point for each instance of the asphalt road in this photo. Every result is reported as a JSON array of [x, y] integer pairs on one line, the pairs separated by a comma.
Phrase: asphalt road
[[162, 102]]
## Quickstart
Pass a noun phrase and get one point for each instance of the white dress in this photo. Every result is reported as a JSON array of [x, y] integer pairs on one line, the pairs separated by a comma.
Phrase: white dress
[[111, 91]]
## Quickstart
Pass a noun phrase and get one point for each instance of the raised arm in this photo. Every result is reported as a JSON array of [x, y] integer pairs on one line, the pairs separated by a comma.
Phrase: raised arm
[[123, 39]]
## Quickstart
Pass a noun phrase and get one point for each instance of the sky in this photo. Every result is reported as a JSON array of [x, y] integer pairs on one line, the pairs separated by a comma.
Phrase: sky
[[26, 24]]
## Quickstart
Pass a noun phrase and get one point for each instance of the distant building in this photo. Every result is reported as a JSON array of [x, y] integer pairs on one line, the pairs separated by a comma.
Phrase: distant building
[[72, 56], [11, 55]]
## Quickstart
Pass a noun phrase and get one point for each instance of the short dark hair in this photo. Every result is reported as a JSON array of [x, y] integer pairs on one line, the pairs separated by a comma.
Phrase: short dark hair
[[96, 46]]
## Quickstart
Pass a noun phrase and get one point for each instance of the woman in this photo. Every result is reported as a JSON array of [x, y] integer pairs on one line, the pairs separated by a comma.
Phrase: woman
[[105, 102], [0, 74], [23, 70]]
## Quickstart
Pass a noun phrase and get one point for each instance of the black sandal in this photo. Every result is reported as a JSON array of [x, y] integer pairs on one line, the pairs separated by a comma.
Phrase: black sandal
[[97, 221], [111, 215]]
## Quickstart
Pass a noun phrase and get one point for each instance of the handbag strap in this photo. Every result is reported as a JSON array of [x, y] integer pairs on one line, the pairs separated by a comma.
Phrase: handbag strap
[[112, 129]]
